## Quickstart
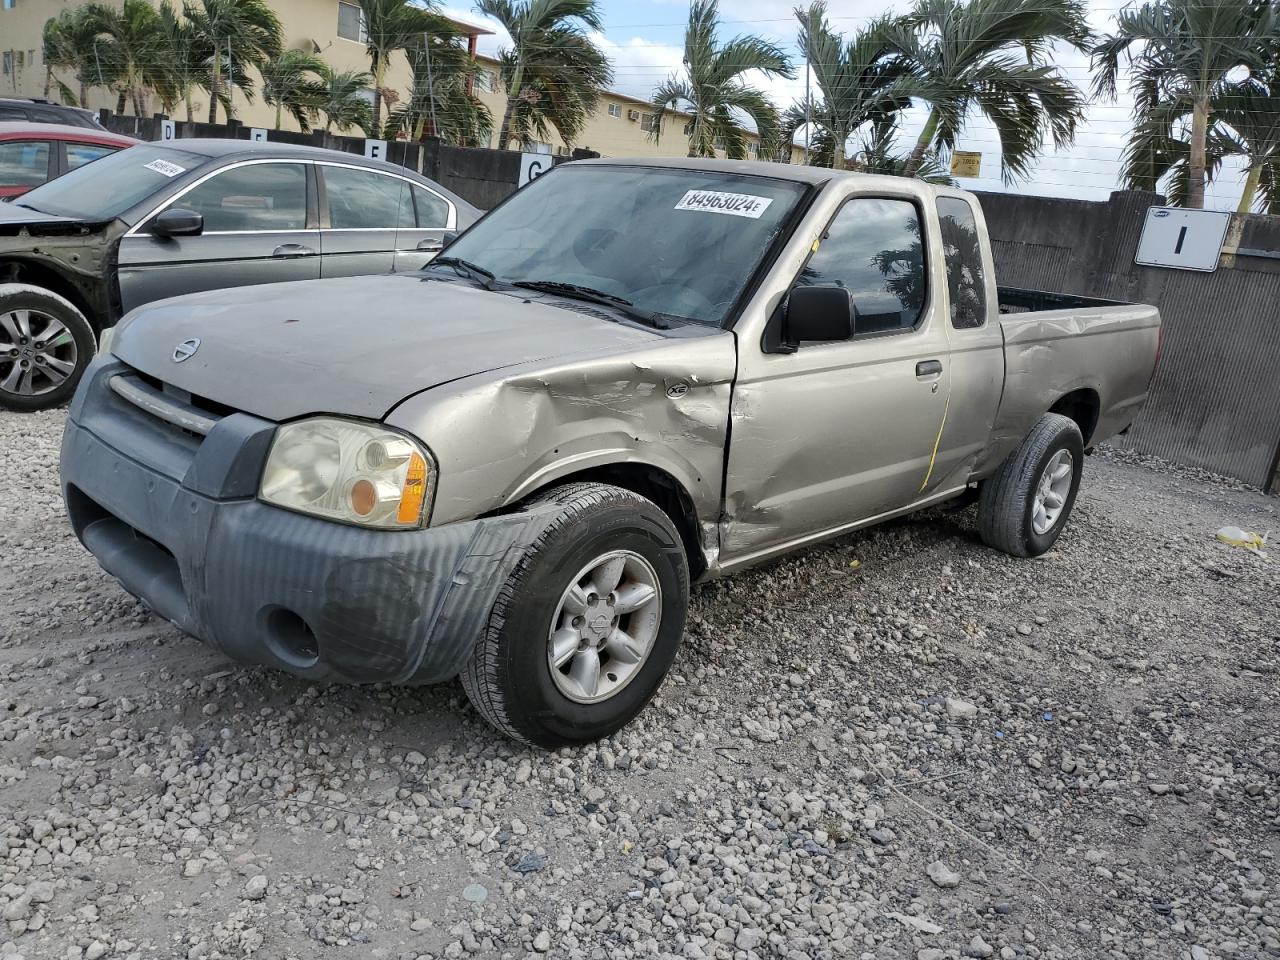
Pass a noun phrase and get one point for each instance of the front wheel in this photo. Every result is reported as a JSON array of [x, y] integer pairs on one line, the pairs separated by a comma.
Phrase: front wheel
[[45, 345], [1026, 503], [586, 627]]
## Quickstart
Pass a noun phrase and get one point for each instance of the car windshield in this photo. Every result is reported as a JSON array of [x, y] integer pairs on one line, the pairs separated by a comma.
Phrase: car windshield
[[106, 188], [678, 243]]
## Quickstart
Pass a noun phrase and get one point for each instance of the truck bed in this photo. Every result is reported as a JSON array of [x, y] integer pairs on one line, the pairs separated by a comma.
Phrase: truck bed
[[1100, 353]]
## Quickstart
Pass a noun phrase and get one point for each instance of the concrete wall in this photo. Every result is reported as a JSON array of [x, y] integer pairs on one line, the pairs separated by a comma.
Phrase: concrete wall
[[1215, 401]]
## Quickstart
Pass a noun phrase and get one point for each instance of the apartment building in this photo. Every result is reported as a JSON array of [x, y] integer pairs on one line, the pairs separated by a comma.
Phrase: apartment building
[[334, 31]]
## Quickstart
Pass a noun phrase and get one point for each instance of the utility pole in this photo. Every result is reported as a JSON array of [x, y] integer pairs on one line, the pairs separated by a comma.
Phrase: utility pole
[[807, 102], [431, 87]]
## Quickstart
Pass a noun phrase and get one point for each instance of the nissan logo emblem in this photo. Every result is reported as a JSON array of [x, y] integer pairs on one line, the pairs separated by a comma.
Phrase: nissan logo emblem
[[186, 349]]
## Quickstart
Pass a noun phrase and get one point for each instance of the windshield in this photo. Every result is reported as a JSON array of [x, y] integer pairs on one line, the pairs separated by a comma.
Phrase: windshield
[[682, 243], [106, 188]]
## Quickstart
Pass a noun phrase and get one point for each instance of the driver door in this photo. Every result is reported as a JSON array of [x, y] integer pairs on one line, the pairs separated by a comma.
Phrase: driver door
[[257, 229], [836, 433]]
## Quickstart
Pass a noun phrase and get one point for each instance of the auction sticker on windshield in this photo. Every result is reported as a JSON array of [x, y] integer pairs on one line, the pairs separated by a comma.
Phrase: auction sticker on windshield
[[165, 167], [734, 204]]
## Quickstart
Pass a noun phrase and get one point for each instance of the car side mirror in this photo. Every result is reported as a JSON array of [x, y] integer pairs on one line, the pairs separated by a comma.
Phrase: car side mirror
[[178, 222], [818, 313]]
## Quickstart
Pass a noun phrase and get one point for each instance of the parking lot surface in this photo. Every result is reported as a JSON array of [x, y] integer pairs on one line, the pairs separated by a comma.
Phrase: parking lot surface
[[897, 745]]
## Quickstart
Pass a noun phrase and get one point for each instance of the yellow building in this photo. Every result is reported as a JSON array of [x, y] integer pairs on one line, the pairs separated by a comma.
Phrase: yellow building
[[333, 30]]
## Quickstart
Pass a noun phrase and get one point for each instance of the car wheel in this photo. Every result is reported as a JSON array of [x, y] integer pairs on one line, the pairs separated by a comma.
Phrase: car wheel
[[45, 345], [1025, 505], [587, 625]]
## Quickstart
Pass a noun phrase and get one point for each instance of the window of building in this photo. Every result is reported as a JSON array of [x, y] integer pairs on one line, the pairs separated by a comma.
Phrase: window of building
[[753, 148], [648, 121], [78, 154], [963, 253], [537, 146], [351, 22], [872, 248], [24, 163], [6, 63], [486, 81], [9, 4], [615, 109], [258, 196]]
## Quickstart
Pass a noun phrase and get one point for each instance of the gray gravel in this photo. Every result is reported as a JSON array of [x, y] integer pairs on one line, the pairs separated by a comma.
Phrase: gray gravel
[[934, 752]]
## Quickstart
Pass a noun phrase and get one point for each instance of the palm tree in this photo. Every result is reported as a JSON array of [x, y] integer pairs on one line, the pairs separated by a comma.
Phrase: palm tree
[[1183, 54], [185, 66], [292, 82], [391, 25], [860, 82], [1253, 116], [994, 56], [140, 61], [76, 39], [235, 35], [877, 156], [552, 71], [344, 104], [712, 90], [441, 102]]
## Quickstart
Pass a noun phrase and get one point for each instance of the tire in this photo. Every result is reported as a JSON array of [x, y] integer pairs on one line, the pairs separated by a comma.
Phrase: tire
[[509, 678], [38, 373], [1007, 508]]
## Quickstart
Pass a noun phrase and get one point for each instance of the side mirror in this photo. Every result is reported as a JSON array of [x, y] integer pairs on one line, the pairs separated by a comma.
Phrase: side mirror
[[178, 222], [818, 314]]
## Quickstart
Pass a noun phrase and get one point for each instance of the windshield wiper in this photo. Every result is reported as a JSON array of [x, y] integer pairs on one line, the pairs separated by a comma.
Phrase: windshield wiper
[[476, 272], [577, 291]]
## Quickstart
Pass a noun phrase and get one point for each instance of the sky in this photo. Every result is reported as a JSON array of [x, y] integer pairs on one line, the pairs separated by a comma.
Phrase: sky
[[644, 41]]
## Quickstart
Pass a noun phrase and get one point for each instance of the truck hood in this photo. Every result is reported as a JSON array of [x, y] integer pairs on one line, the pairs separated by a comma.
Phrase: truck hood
[[355, 346]]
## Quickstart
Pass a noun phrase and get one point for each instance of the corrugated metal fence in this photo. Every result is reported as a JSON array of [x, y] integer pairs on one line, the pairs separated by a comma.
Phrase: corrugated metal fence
[[1215, 402]]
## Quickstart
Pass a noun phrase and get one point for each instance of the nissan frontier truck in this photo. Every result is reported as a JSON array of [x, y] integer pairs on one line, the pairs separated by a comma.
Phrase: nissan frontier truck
[[629, 377]]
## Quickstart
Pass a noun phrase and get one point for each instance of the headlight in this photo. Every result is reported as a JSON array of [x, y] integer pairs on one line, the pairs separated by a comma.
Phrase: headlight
[[346, 470]]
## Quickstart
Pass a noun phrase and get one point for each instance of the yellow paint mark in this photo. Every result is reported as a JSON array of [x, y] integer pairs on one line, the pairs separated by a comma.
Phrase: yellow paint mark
[[816, 242], [936, 441]]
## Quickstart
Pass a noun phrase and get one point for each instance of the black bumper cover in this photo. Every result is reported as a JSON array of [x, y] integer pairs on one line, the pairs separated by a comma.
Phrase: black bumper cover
[[174, 519]]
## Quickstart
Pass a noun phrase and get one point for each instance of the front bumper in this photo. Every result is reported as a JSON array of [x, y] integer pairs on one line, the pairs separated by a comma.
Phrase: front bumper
[[173, 516]]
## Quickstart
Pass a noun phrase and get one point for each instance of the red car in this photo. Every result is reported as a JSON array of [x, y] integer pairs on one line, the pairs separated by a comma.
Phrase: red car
[[31, 153]]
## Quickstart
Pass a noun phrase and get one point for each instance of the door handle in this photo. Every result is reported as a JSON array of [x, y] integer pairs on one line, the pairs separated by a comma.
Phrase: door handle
[[430, 245], [928, 368], [291, 251]]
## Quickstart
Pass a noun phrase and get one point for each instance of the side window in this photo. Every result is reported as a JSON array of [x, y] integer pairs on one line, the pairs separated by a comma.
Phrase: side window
[[364, 200], [259, 196], [433, 210], [24, 163], [78, 154], [963, 253], [873, 249]]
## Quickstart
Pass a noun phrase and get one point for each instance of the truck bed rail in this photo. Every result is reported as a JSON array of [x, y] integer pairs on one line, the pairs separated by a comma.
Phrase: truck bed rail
[[1023, 300]]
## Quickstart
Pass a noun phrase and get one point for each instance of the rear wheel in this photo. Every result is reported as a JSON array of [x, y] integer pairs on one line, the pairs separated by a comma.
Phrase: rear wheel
[[45, 345], [586, 627], [1025, 505]]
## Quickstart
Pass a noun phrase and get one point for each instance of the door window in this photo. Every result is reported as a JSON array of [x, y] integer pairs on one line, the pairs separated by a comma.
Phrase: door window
[[963, 253], [433, 210], [78, 154], [259, 196], [24, 163], [364, 200], [873, 249]]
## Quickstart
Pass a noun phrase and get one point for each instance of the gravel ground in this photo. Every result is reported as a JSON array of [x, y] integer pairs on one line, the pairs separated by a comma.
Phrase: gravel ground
[[899, 745]]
